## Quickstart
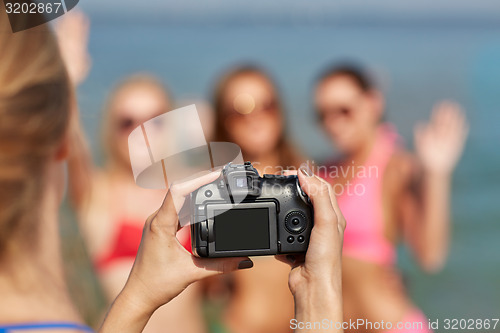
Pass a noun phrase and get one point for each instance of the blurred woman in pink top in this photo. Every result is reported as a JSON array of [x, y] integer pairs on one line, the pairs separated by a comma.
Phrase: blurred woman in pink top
[[387, 194]]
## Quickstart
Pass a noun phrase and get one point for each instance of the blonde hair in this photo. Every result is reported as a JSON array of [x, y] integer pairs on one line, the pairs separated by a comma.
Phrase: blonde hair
[[108, 131], [35, 95]]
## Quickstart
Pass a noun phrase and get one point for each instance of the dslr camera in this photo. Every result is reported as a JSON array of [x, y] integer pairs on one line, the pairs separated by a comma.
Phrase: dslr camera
[[242, 214]]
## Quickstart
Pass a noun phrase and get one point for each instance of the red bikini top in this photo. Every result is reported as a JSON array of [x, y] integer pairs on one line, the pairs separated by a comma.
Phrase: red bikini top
[[126, 242]]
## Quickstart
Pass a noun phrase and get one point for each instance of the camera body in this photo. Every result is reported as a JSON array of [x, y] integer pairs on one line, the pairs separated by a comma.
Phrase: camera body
[[242, 214]]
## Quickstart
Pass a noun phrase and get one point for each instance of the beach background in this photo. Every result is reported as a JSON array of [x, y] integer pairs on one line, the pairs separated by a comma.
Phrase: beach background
[[419, 54]]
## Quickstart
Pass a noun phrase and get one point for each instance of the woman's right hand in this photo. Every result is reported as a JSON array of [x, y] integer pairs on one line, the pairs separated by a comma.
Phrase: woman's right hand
[[163, 268], [315, 279]]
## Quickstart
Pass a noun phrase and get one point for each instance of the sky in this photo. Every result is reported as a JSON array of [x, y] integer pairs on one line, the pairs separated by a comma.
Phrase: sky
[[300, 10]]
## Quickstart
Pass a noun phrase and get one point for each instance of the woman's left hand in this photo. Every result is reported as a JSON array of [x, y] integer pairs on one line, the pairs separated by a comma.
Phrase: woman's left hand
[[163, 268]]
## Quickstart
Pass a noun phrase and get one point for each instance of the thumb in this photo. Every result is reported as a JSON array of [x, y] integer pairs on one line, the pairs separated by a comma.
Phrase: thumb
[[214, 266]]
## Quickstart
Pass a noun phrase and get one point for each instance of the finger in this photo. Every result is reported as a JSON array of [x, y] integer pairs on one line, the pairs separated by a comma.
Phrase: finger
[[333, 198], [447, 113], [289, 172], [340, 217], [291, 259], [179, 191], [214, 266], [166, 217], [334, 202], [452, 117], [284, 259], [186, 187], [458, 119], [318, 191], [455, 126]]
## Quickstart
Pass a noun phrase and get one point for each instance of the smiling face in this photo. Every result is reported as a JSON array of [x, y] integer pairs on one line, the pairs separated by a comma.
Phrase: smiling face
[[251, 113], [132, 104], [348, 114]]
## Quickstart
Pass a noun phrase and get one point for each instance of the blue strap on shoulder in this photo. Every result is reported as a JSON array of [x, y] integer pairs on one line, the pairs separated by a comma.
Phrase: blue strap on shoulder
[[46, 325]]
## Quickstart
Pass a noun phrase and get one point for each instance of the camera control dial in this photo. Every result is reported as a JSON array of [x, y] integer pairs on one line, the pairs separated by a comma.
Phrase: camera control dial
[[295, 222]]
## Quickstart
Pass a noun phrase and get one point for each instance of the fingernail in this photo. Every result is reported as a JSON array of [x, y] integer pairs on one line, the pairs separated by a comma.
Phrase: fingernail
[[304, 168], [291, 258], [245, 264]]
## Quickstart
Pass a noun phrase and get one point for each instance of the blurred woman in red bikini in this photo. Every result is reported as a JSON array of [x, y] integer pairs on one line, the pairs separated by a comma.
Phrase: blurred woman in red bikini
[[386, 193], [249, 112], [113, 208]]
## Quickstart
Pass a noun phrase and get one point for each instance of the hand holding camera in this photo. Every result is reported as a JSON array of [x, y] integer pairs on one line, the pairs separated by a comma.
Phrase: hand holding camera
[[316, 277], [163, 268]]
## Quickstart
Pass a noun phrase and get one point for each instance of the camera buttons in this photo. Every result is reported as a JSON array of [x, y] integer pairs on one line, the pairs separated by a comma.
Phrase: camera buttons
[[203, 230], [208, 193], [290, 239], [301, 239], [296, 222]]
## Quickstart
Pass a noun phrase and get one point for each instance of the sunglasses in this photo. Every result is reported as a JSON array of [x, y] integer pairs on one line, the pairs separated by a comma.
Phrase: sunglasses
[[267, 107], [334, 113], [127, 124]]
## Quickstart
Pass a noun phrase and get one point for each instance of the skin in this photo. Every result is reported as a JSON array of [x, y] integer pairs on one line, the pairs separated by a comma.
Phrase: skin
[[104, 197], [257, 132], [73, 34], [32, 280], [163, 268], [114, 196], [415, 192]]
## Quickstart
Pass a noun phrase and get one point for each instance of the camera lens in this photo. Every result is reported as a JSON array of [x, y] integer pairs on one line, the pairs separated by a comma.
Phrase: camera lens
[[295, 222]]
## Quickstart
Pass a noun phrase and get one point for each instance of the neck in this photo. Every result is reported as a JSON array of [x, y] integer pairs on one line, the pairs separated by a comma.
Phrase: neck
[[118, 170], [360, 155], [266, 163], [32, 281]]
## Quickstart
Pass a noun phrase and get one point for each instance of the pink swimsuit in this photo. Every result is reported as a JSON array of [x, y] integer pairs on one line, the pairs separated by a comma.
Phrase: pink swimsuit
[[361, 203]]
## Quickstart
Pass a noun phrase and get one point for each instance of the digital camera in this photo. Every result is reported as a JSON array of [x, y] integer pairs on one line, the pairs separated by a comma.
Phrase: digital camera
[[242, 214]]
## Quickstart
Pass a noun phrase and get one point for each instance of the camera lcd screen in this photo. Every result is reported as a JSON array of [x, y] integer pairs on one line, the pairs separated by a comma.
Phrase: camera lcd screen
[[241, 229]]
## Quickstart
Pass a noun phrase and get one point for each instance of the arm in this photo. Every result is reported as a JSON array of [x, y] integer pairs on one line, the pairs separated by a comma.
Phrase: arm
[[163, 268], [423, 204], [316, 278], [439, 145], [72, 32]]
